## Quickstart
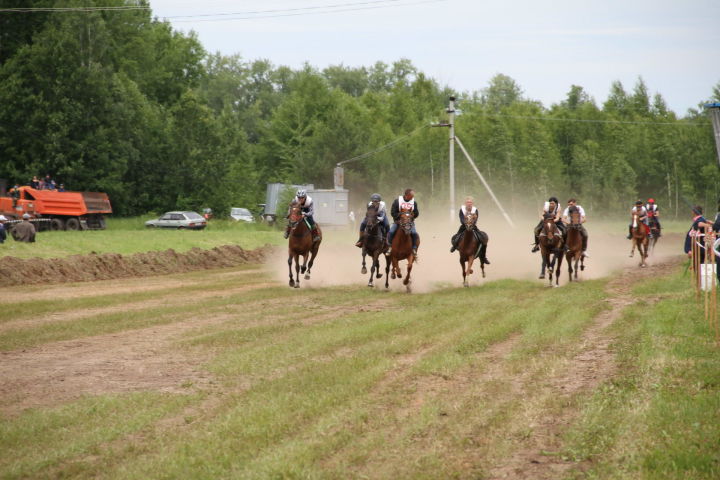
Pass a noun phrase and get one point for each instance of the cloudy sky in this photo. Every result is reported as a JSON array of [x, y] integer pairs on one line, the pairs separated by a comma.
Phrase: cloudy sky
[[545, 46]]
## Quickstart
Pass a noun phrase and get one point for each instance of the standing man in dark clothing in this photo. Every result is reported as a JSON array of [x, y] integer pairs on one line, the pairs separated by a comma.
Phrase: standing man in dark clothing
[[24, 231], [3, 233], [405, 202]]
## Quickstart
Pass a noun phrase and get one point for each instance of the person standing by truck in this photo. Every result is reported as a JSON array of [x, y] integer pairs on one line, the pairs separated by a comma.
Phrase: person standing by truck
[[24, 231], [3, 233]]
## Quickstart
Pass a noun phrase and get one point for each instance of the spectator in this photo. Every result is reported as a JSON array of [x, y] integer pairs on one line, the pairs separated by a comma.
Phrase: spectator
[[24, 231], [51, 186], [48, 181], [3, 234], [15, 194], [35, 183], [61, 188]]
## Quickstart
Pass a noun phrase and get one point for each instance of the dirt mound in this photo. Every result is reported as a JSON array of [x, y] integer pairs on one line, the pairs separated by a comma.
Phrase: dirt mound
[[85, 268]]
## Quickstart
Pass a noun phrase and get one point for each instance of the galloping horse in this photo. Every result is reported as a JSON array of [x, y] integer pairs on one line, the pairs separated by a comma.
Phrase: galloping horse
[[373, 245], [300, 243], [639, 239], [551, 243], [655, 231], [401, 249], [574, 243], [472, 245]]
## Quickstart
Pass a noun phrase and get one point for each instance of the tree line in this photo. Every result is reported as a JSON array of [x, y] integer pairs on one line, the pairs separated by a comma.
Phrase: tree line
[[118, 101]]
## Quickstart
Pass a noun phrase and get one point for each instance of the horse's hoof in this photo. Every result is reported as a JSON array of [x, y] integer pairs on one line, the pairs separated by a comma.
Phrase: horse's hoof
[[363, 271], [556, 286], [297, 285], [378, 275], [470, 272], [370, 285], [541, 277], [393, 276], [291, 283], [483, 274], [465, 285], [307, 276], [302, 269]]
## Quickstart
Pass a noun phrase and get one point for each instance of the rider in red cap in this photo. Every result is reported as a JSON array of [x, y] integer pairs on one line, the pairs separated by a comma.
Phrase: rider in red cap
[[653, 213]]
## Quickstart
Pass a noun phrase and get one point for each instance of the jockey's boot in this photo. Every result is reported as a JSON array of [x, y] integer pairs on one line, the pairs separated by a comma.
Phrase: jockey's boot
[[454, 245], [486, 261], [415, 254], [535, 248], [361, 240], [584, 248], [315, 234], [287, 232], [629, 232]]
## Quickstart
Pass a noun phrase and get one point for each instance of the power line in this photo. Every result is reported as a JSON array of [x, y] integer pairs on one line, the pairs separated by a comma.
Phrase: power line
[[588, 120], [384, 147], [366, 6]]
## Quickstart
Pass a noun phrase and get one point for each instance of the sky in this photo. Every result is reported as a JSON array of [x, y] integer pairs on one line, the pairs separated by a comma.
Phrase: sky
[[546, 46]]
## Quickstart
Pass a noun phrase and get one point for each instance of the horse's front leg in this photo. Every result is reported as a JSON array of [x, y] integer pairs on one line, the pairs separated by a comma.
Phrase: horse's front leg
[[406, 282], [387, 271], [297, 271], [570, 269], [542, 268], [632, 252], [292, 280], [363, 270], [375, 264], [462, 266], [557, 271]]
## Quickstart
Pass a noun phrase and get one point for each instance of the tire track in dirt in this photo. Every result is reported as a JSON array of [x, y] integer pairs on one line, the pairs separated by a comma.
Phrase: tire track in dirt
[[537, 456]]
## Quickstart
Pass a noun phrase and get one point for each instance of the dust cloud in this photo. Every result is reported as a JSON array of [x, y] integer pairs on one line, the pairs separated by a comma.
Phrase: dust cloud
[[339, 261]]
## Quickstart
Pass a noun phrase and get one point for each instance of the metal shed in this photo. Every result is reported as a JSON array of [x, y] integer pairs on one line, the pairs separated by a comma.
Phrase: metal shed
[[331, 207]]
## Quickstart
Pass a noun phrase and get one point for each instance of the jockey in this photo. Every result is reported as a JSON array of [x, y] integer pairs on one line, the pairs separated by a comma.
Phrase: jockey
[[405, 202], [467, 209], [642, 216], [653, 214], [566, 218], [552, 206], [379, 206], [308, 209]]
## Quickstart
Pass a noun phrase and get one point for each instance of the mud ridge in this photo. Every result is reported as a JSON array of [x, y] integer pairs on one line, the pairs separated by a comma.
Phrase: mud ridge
[[106, 266]]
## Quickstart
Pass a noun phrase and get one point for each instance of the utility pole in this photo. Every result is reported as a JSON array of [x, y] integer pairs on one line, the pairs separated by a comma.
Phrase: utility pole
[[451, 124]]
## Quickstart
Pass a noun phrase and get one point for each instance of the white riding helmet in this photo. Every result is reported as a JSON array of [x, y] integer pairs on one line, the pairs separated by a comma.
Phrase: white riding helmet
[[301, 193]]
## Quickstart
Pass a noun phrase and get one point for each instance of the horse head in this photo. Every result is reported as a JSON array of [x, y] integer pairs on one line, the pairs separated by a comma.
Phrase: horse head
[[471, 221], [371, 217], [406, 221], [574, 215], [295, 214], [549, 229]]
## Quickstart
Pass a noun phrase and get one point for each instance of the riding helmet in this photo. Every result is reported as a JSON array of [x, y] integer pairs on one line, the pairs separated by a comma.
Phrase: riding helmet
[[375, 197], [301, 193]]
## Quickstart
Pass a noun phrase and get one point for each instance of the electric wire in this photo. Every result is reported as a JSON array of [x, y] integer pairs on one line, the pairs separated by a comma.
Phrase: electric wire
[[384, 147], [589, 120]]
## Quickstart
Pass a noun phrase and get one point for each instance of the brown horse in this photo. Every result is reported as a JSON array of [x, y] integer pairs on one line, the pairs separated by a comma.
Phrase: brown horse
[[300, 242], [574, 243], [472, 245], [551, 246], [373, 245], [639, 239], [401, 249]]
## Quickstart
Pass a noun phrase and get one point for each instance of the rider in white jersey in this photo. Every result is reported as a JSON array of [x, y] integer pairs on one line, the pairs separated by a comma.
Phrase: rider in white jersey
[[642, 214], [552, 207], [565, 216], [405, 202], [308, 210], [468, 209]]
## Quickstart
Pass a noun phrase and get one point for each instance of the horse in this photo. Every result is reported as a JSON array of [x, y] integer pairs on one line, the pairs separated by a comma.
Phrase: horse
[[639, 239], [574, 243], [401, 249], [373, 245], [551, 243], [300, 242], [471, 247], [655, 231]]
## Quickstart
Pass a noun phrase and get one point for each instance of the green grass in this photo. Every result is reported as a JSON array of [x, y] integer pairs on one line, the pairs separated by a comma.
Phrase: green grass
[[308, 384], [660, 418], [129, 235]]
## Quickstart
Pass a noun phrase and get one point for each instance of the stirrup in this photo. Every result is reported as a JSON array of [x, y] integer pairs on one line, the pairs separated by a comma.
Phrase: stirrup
[[486, 261], [535, 248], [452, 249], [359, 243]]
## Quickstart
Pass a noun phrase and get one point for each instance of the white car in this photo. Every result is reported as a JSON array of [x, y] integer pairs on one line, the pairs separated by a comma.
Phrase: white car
[[179, 220], [242, 215]]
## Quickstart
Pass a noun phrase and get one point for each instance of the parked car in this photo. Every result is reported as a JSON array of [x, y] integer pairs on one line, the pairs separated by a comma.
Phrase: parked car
[[241, 215], [179, 220]]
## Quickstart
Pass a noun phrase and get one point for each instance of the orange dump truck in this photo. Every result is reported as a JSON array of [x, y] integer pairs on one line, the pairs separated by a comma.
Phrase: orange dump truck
[[58, 210]]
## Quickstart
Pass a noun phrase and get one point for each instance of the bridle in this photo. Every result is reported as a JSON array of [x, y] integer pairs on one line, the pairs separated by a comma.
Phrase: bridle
[[471, 221], [406, 221]]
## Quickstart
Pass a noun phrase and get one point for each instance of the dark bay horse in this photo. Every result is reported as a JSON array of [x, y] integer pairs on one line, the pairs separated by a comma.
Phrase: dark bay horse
[[656, 233], [472, 245], [639, 239], [574, 244], [551, 248], [401, 249], [300, 243], [373, 245]]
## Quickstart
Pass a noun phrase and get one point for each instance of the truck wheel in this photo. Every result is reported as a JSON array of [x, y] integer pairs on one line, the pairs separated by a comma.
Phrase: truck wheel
[[72, 224], [57, 224]]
